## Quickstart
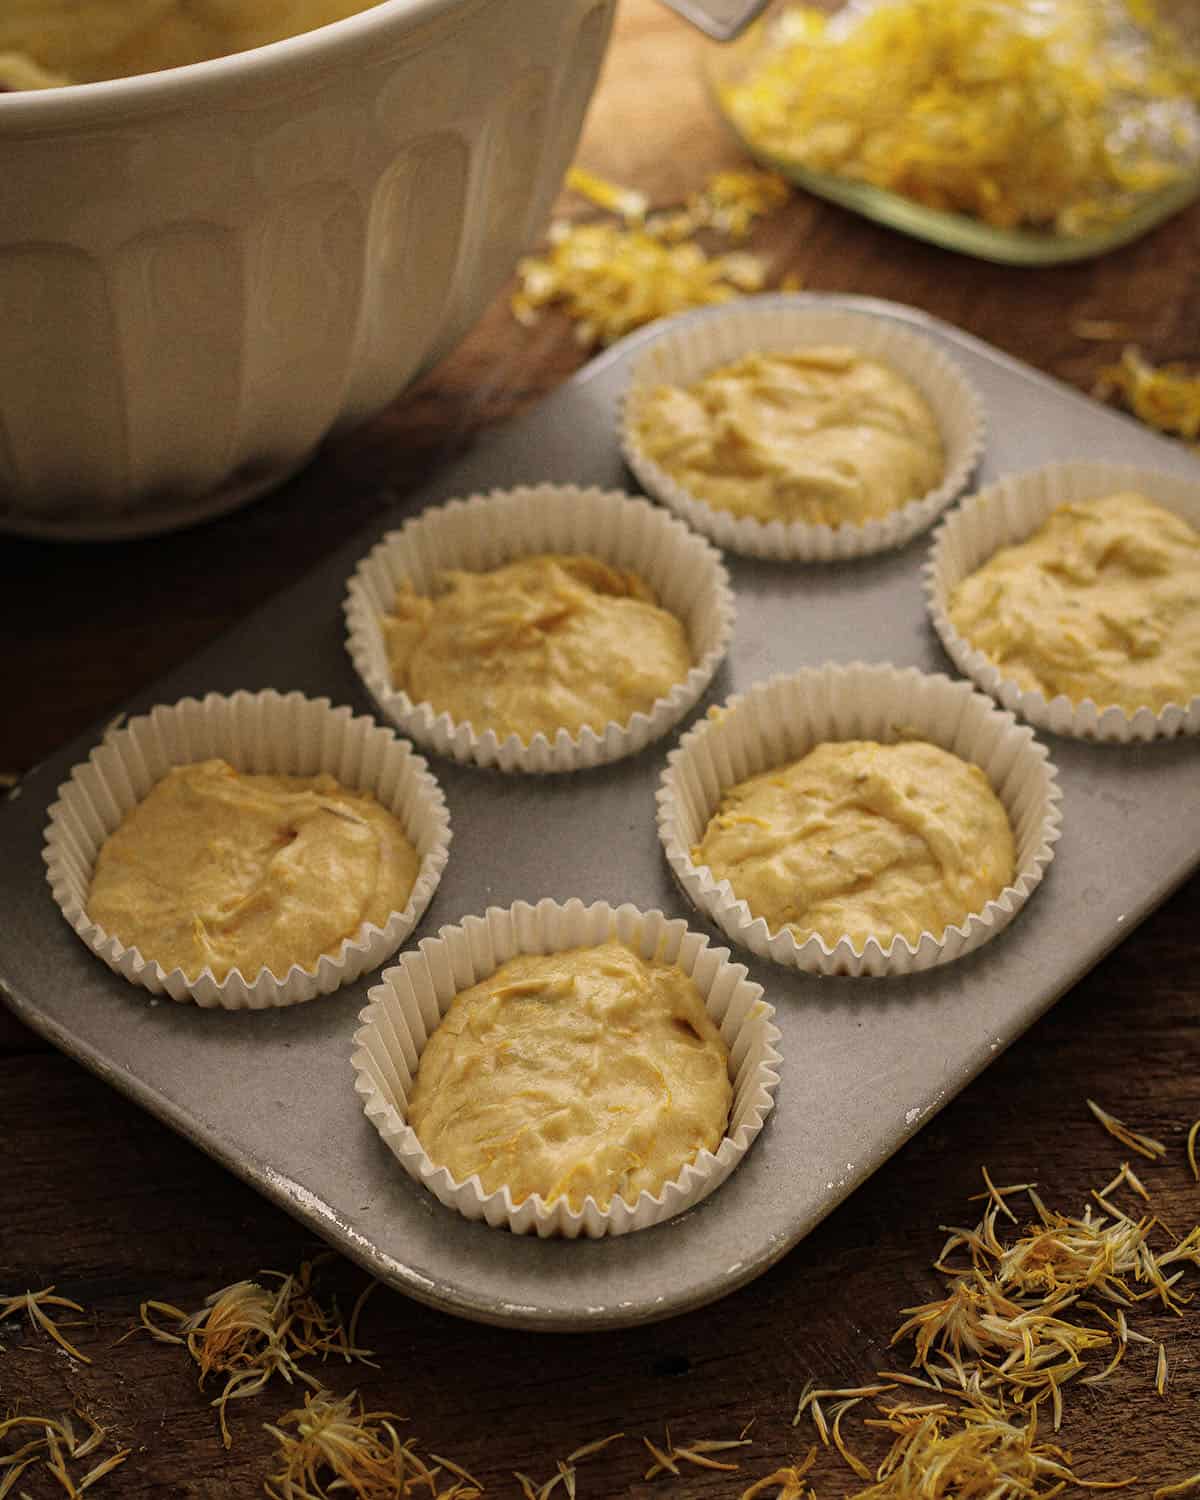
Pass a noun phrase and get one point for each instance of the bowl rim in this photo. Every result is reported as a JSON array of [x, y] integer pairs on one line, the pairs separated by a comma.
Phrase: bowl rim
[[25, 111]]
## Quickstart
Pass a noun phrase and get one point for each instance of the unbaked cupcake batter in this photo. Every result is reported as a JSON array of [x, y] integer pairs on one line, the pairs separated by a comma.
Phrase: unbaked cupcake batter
[[1102, 602], [859, 840], [47, 43], [544, 643], [223, 871], [820, 435], [592, 1072]]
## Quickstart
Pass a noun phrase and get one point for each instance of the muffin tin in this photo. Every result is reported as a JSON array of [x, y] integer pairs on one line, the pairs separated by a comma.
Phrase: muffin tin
[[866, 1061]]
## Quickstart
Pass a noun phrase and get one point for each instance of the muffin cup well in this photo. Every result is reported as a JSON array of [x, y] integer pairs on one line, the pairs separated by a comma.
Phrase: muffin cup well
[[486, 531], [256, 733], [780, 720], [1010, 511], [413, 996], [687, 348]]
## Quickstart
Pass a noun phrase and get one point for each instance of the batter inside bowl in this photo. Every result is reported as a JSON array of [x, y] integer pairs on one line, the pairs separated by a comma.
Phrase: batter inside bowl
[[48, 43], [544, 643], [821, 435]]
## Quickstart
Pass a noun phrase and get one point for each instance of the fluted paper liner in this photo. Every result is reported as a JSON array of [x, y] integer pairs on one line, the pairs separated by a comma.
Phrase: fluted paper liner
[[413, 996], [688, 348], [1009, 512], [256, 733], [486, 531], [780, 720]]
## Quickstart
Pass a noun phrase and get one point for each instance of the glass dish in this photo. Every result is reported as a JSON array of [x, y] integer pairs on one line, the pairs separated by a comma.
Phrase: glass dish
[[729, 66]]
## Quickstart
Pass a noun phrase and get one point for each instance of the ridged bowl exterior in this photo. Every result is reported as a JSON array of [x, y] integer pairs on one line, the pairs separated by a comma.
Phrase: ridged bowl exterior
[[204, 272]]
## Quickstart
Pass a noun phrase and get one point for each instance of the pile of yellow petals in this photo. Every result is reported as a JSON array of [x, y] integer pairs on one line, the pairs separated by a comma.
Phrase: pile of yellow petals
[[1055, 117], [612, 277], [1166, 397]]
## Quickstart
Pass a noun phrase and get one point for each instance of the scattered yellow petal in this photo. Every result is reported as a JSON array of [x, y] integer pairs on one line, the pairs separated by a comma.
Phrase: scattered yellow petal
[[1145, 1145], [454, 1468], [564, 1471], [589, 1448], [1166, 397], [1186, 1486], [729, 202], [1126, 1176], [839, 1442], [788, 1483], [55, 1449], [663, 1462], [628, 202], [702, 1460], [34, 1304]]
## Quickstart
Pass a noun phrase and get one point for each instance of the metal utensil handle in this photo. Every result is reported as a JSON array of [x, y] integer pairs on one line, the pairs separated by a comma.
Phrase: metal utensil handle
[[723, 20]]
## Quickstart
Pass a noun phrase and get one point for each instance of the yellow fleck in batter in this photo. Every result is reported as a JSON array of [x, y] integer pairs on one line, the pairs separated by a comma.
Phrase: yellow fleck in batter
[[820, 435], [545, 643], [1102, 602], [592, 1072], [223, 871], [858, 840]]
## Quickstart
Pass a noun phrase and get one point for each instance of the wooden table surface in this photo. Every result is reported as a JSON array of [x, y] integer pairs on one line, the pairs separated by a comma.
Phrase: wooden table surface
[[109, 1205]]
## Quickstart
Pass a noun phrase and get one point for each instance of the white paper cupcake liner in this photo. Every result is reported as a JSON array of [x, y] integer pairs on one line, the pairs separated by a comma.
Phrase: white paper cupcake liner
[[486, 531], [256, 733], [688, 348], [413, 996], [780, 720], [1009, 512]]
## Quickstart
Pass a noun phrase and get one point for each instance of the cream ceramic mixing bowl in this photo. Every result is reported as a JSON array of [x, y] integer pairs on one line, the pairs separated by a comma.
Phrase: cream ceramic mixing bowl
[[206, 271]]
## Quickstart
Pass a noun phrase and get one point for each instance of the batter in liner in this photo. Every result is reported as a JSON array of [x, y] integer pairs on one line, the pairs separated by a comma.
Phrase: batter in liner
[[859, 840], [547, 642], [225, 871], [819, 435], [1101, 602], [589, 1073]]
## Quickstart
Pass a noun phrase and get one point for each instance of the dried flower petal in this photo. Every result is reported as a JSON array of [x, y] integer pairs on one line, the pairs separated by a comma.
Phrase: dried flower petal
[[34, 1304], [249, 1332], [1145, 1144], [1166, 397]]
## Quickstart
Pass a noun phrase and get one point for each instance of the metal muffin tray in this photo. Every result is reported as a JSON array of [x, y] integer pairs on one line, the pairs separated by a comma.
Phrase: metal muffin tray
[[865, 1062]]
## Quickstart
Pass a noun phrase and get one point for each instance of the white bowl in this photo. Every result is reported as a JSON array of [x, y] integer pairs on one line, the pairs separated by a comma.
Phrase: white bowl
[[205, 271]]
